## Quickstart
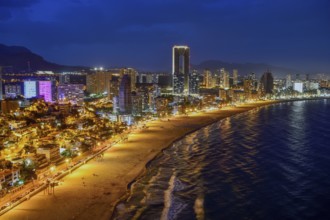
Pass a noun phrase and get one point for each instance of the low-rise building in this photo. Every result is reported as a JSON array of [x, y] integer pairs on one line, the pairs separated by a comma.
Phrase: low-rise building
[[51, 151], [9, 177]]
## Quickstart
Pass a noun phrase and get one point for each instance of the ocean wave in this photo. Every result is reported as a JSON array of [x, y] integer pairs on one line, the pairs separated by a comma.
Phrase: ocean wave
[[270, 163]]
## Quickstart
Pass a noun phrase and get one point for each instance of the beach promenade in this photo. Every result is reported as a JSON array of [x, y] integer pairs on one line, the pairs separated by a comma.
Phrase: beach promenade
[[92, 191]]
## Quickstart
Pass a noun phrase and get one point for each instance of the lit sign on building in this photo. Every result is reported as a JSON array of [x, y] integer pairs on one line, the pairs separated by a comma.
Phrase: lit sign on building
[[30, 89], [45, 90]]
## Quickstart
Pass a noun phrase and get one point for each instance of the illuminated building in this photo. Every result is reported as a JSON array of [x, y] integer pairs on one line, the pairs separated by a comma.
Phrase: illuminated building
[[226, 80], [125, 95], [247, 86], [114, 86], [9, 105], [235, 77], [132, 73], [9, 177], [194, 82], [30, 89], [91, 86], [181, 60], [288, 81], [102, 81], [207, 80], [314, 86], [72, 93], [136, 103], [98, 82], [298, 86], [72, 78], [51, 151], [13, 90], [46, 90], [266, 83]]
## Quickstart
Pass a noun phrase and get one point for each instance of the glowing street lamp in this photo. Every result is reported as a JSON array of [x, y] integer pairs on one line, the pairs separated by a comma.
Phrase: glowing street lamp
[[52, 169]]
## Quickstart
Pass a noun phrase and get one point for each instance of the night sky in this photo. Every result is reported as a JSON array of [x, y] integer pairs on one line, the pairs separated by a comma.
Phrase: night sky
[[140, 33]]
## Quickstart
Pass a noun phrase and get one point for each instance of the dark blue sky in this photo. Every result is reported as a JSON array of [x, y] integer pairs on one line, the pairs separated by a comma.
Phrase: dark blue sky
[[140, 33]]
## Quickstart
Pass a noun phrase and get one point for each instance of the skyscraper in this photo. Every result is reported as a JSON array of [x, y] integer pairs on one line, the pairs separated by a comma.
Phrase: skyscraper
[[224, 79], [267, 83], [207, 80], [288, 81], [132, 73], [235, 77], [125, 95], [194, 82], [181, 60]]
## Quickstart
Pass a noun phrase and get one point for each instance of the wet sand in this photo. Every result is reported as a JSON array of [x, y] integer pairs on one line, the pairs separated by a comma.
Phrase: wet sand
[[93, 190]]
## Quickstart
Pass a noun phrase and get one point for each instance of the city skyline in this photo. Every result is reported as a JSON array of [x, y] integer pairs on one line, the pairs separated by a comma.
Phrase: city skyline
[[100, 33]]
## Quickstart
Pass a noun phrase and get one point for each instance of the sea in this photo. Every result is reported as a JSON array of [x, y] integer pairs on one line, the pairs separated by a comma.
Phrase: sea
[[271, 162]]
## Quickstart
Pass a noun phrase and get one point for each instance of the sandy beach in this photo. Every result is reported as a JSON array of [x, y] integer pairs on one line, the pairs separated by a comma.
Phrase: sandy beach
[[92, 191]]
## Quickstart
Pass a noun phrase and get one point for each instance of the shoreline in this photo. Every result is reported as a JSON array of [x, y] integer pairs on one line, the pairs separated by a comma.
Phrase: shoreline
[[139, 176], [123, 165]]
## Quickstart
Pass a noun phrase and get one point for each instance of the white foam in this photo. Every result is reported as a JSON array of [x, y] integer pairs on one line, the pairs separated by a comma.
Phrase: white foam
[[168, 194]]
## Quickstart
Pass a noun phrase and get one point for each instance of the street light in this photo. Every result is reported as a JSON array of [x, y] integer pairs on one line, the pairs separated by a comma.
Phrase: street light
[[68, 161], [52, 169]]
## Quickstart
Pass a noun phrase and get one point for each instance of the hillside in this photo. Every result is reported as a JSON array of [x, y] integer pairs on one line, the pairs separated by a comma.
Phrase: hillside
[[21, 59]]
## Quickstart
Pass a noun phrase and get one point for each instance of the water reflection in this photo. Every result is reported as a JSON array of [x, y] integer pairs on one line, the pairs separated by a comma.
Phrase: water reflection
[[270, 163]]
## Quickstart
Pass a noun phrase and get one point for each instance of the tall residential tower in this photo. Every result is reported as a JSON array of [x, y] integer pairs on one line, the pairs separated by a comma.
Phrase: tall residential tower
[[181, 63]]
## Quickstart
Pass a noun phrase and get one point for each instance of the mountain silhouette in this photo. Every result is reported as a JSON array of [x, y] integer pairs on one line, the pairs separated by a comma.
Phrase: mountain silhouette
[[20, 59]]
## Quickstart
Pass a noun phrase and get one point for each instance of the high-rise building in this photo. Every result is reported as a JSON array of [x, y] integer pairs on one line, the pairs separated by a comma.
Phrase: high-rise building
[[98, 82], [132, 73], [125, 95], [235, 77], [288, 81], [298, 86], [266, 83], [30, 89], [194, 82], [91, 85], [224, 78], [207, 79], [114, 86], [102, 81], [181, 60], [46, 89], [137, 103]]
